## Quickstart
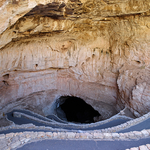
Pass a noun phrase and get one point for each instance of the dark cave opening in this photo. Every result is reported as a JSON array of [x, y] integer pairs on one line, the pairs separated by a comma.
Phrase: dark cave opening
[[77, 110]]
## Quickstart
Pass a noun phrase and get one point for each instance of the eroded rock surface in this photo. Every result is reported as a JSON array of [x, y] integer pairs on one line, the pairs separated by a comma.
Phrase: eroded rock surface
[[97, 50], [134, 88]]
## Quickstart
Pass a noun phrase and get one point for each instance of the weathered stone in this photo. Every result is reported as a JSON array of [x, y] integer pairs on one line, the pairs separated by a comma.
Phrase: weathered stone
[[83, 136], [71, 135], [2, 136], [131, 135], [41, 134], [49, 134], [14, 139], [55, 135], [148, 130], [148, 146], [62, 135], [115, 135], [134, 148], [7, 148], [145, 133], [26, 140], [89, 136], [23, 140], [98, 135], [123, 136], [33, 135], [77, 135], [143, 147], [3, 143], [9, 135], [138, 134], [15, 144], [107, 135]]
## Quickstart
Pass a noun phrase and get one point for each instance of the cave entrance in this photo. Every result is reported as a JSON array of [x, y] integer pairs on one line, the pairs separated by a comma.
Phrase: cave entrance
[[74, 109]]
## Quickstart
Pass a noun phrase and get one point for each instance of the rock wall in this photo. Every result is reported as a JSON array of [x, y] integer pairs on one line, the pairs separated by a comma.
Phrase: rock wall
[[97, 50]]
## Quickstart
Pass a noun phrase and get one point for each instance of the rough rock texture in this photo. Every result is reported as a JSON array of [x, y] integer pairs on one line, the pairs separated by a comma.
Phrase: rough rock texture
[[134, 88], [98, 50]]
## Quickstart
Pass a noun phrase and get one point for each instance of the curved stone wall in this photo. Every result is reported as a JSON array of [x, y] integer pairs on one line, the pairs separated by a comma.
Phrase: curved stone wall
[[18, 139], [96, 50], [28, 137]]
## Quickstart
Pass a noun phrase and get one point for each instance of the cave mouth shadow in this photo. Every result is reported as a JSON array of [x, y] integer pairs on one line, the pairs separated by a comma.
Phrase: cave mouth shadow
[[75, 109]]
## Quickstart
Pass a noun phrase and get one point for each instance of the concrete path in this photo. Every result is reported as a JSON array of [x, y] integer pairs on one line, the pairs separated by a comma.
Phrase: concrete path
[[83, 145], [23, 120], [49, 118], [143, 125]]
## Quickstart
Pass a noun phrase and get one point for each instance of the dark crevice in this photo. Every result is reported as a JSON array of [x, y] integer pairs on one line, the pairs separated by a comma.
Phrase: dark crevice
[[5, 83], [77, 110], [53, 10], [6, 76], [138, 62]]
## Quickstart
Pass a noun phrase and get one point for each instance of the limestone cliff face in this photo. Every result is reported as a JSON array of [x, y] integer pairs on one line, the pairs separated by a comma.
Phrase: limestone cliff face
[[98, 50]]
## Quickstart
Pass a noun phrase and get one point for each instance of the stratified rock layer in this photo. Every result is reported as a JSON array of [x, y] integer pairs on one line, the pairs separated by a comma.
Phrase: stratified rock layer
[[98, 50]]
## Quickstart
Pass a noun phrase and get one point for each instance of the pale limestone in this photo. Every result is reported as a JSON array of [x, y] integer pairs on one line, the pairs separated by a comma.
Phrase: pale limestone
[[71, 135], [14, 139], [9, 135], [123, 136], [115, 135], [89, 135], [98, 135], [145, 133], [134, 148], [131, 135], [143, 147], [107, 135], [2, 136], [41, 134], [3, 143], [49, 134], [62, 135], [15, 144], [148, 146], [55, 135], [77, 135], [138, 134], [83, 136]]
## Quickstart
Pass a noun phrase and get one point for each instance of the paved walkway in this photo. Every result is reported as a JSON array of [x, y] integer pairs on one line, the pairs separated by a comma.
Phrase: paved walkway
[[23, 120], [75, 140], [83, 145], [143, 125]]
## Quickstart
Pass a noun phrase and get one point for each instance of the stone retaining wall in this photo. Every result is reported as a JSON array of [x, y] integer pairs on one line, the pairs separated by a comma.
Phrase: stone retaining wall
[[119, 115], [69, 125], [16, 140], [80, 127], [142, 147]]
